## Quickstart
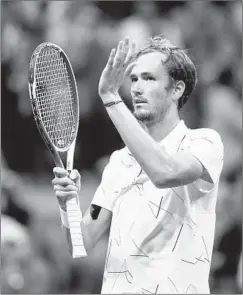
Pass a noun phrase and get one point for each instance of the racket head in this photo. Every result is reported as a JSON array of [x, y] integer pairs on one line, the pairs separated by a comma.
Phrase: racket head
[[54, 97]]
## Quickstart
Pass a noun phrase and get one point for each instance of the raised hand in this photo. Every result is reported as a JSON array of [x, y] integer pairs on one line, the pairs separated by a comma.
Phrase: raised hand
[[115, 69]]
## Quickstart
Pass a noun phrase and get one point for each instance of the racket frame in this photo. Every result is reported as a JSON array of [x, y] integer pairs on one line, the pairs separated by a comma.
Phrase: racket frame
[[73, 208], [32, 86]]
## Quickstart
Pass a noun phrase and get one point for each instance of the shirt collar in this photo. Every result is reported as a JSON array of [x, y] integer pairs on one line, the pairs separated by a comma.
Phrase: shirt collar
[[173, 140]]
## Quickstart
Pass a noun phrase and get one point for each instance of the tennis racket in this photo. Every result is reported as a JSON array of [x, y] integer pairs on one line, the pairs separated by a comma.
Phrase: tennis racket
[[54, 99]]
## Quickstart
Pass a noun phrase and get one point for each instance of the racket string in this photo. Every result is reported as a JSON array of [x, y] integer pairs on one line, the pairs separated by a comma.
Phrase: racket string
[[55, 94]]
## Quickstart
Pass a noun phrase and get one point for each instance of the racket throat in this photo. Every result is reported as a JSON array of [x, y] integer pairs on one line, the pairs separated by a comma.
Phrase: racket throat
[[70, 157]]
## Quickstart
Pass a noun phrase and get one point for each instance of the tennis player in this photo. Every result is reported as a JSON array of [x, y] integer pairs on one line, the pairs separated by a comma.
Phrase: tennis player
[[158, 195]]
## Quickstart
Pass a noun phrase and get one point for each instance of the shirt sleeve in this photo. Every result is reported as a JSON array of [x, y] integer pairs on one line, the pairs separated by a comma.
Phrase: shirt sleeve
[[107, 193], [206, 145]]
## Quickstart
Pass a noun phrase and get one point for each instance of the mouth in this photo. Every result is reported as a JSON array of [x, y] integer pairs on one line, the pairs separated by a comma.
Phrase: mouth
[[138, 101], [139, 105]]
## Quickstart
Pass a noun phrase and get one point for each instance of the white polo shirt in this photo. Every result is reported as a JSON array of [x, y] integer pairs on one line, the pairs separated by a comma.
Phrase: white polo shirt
[[161, 240]]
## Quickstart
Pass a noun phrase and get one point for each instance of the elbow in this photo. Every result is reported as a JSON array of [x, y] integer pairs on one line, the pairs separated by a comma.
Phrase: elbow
[[160, 182], [166, 179]]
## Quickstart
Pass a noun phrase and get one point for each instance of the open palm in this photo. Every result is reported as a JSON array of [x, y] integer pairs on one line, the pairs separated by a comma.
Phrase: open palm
[[115, 69]]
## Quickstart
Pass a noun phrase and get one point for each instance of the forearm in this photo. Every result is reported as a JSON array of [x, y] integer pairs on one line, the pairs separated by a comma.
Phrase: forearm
[[153, 159], [82, 232]]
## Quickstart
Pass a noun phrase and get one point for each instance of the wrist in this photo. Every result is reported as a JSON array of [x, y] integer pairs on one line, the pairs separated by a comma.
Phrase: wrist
[[112, 103], [64, 217], [63, 203], [111, 97]]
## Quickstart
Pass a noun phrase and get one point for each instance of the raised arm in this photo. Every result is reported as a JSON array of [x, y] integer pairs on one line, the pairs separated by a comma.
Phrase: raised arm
[[96, 220], [163, 169]]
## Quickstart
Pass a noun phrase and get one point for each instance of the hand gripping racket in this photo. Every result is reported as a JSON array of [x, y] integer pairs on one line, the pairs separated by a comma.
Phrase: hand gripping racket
[[54, 99]]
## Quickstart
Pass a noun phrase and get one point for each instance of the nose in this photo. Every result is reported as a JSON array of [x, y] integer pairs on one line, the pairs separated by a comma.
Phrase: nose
[[136, 89], [137, 92]]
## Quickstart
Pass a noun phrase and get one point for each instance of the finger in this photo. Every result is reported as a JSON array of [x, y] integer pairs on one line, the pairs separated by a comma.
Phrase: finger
[[64, 196], [68, 188], [127, 49], [60, 172], [120, 55], [126, 44], [64, 181], [75, 175], [133, 48], [131, 53], [111, 58]]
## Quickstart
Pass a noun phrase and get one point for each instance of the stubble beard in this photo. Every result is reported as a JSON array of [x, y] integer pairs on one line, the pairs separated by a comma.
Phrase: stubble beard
[[143, 117], [149, 118]]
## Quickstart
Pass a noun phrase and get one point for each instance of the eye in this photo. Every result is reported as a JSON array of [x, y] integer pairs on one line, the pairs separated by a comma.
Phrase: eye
[[149, 78], [134, 79]]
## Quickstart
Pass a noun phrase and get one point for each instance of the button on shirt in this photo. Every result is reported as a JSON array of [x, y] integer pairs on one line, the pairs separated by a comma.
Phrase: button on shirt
[[161, 240]]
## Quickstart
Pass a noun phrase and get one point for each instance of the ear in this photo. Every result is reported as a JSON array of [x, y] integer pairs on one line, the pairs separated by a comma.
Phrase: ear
[[178, 90]]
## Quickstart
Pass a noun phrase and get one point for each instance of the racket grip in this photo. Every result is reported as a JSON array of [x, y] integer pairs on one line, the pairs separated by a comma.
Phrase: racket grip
[[74, 219]]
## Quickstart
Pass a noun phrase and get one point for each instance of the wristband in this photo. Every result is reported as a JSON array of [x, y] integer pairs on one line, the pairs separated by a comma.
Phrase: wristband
[[64, 218], [109, 104]]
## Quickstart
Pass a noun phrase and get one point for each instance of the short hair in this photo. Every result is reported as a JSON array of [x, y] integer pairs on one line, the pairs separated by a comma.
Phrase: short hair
[[178, 65]]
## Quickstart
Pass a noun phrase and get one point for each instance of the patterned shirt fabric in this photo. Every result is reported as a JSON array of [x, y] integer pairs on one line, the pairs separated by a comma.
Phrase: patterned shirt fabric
[[161, 240]]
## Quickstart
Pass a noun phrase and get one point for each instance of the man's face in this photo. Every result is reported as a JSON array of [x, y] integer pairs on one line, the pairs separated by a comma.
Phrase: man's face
[[151, 88]]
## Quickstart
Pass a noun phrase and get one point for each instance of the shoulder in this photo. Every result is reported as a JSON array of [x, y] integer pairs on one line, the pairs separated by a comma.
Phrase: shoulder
[[118, 155], [204, 140], [115, 164], [206, 145], [206, 133], [122, 157]]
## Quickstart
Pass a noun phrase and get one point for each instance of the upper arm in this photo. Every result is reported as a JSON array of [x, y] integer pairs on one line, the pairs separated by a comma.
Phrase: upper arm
[[97, 218], [95, 223], [200, 158], [186, 169]]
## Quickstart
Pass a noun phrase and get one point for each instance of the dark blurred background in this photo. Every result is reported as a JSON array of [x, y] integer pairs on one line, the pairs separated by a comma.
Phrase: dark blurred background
[[34, 256]]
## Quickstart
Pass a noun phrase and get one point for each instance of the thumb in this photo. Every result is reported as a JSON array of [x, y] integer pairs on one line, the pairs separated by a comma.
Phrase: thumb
[[74, 175]]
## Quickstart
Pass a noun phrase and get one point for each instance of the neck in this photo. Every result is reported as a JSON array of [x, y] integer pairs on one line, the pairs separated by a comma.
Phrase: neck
[[162, 128]]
